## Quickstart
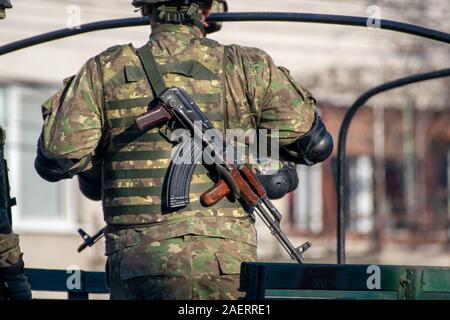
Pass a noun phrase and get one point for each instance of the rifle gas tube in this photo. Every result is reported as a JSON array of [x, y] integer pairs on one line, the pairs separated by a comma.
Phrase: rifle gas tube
[[236, 181]]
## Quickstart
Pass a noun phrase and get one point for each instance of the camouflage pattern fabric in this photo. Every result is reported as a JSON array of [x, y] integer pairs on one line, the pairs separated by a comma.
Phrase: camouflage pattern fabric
[[9, 242], [238, 229], [258, 95], [217, 6], [183, 268], [92, 117], [9, 250]]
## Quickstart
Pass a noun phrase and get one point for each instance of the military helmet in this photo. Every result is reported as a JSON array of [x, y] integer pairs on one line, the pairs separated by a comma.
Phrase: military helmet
[[4, 4], [170, 15], [140, 3], [219, 6]]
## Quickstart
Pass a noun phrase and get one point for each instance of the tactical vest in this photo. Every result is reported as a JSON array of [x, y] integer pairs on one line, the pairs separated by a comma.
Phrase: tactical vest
[[135, 163]]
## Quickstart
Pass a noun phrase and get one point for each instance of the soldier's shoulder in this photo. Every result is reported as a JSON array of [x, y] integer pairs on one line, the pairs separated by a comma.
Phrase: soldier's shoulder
[[238, 52], [117, 51], [118, 48], [211, 43]]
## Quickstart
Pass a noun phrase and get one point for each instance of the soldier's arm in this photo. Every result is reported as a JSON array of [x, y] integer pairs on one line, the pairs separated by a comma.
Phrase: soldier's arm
[[13, 281], [9, 249], [73, 122], [280, 103]]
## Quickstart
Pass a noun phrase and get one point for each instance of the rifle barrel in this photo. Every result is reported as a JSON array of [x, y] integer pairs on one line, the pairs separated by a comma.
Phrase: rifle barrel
[[275, 228]]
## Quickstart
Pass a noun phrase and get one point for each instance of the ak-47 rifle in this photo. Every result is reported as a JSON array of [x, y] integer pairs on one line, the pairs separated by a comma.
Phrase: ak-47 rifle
[[176, 107], [238, 182]]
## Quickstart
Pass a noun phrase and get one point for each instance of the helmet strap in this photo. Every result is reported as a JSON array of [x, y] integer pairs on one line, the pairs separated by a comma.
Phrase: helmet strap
[[192, 14]]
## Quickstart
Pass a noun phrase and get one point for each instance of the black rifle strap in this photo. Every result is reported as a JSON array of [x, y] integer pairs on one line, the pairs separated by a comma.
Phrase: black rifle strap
[[151, 69]]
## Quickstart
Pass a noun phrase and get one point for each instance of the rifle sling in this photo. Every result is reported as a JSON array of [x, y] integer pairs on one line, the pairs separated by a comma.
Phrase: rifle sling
[[151, 69]]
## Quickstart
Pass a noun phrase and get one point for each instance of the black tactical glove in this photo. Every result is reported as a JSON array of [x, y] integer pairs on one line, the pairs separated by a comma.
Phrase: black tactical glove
[[13, 282], [90, 183], [279, 184]]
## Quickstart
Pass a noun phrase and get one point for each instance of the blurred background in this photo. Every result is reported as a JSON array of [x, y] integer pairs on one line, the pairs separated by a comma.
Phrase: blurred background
[[398, 146]]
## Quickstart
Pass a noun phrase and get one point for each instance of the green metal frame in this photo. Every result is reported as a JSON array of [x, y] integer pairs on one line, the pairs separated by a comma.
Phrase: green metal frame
[[284, 281], [319, 281]]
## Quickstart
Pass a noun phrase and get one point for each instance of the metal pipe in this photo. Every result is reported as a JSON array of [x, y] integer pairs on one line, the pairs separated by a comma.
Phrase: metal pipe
[[341, 165], [233, 17]]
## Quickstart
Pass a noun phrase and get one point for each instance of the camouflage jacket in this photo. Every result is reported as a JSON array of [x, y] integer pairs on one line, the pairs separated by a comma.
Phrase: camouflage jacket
[[238, 87], [9, 242], [9, 250]]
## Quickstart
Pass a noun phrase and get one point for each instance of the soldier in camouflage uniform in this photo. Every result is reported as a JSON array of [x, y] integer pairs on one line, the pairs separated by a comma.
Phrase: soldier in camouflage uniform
[[13, 283], [89, 131]]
